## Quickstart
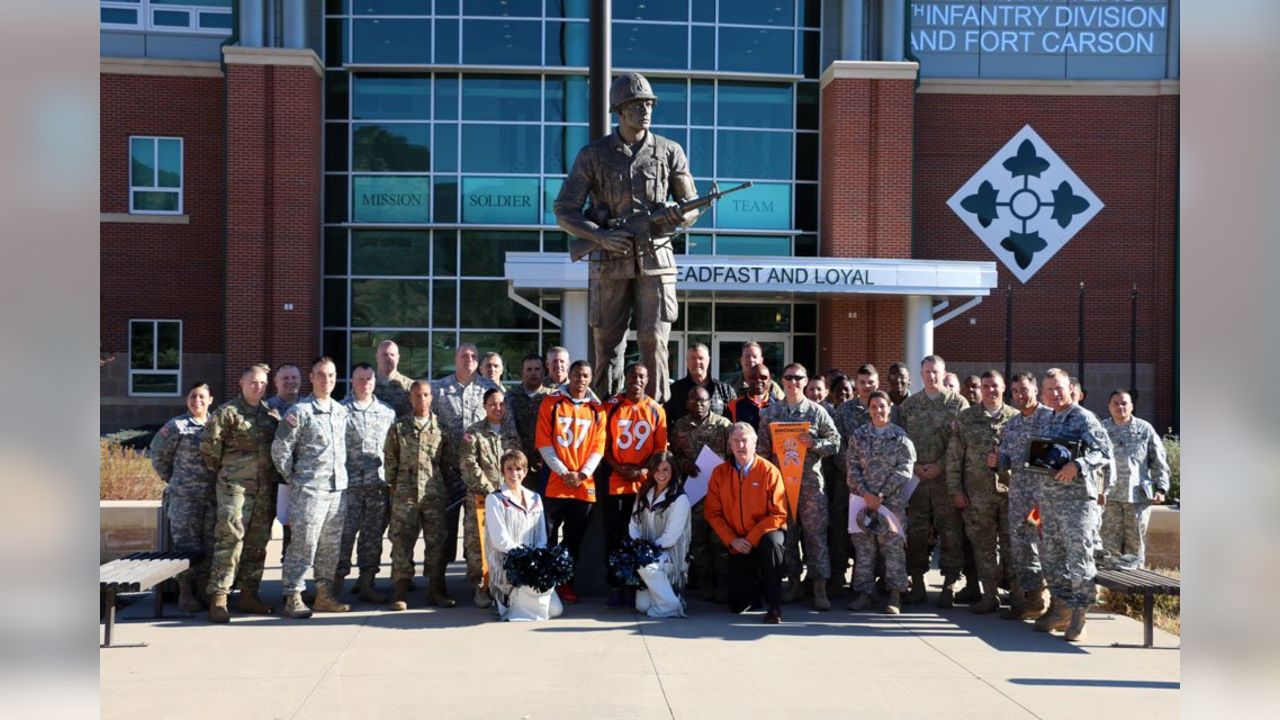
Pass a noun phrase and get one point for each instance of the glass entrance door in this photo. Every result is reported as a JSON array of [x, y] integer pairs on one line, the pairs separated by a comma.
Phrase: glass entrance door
[[726, 353]]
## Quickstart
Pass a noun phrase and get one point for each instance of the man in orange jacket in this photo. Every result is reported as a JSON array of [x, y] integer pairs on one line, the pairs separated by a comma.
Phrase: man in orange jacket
[[570, 439], [746, 507]]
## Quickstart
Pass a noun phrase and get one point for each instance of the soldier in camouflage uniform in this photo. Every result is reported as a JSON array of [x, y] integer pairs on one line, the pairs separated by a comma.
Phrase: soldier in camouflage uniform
[[880, 458], [631, 170], [1142, 479], [699, 428], [1069, 509], [980, 488], [310, 451], [481, 461], [288, 382], [368, 420], [411, 458], [927, 417], [392, 386], [236, 446], [849, 416], [556, 368], [458, 400], [811, 517], [1028, 596], [523, 403], [175, 455]]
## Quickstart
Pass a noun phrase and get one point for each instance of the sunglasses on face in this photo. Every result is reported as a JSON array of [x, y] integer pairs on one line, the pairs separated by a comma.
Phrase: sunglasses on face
[[794, 378]]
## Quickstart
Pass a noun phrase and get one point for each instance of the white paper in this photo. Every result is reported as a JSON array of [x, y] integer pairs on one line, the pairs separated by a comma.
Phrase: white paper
[[696, 487], [910, 488], [857, 504]]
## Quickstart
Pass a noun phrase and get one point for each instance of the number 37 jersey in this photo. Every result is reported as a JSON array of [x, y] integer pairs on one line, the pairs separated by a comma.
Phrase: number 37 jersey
[[575, 431], [637, 430]]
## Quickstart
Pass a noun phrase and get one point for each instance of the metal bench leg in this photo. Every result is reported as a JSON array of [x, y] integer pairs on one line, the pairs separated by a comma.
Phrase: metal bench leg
[[110, 619], [1148, 619], [110, 624]]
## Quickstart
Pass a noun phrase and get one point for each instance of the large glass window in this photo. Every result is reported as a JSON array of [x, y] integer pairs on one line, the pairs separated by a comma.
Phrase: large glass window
[[155, 175], [207, 17], [431, 178], [155, 357]]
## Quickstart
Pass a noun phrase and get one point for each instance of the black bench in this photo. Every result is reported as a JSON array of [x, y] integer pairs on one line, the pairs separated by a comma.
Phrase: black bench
[[137, 572], [1146, 582]]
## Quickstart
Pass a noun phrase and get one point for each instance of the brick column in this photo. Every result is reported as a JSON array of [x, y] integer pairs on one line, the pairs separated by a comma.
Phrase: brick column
[[274, 180], [868, 119]]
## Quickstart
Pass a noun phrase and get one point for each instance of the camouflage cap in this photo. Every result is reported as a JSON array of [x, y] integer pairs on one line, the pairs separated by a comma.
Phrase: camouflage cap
[[627, 87]]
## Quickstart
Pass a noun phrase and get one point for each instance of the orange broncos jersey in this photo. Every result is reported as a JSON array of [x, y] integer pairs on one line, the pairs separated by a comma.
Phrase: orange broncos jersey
[[576, 432], [636, 432]]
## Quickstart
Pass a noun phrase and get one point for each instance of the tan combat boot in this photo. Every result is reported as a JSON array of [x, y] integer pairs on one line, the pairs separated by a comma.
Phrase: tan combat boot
[[218, 608], [989, 602], [1017, 604], [400, 596], [368, 592], [1037, 601], [970, 592], [482, 597], [917, 594], [438, 594], [295, 608], [860, 602], [794, 590], [187, 600], [1057, 617], [250, 603], [1075, 629], [325, 601], [947, 598], [820, 600], [202, 589], [894, 606]]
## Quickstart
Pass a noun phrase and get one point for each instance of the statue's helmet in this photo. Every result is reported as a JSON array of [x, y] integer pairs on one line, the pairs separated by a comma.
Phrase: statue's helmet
[[627, 87]]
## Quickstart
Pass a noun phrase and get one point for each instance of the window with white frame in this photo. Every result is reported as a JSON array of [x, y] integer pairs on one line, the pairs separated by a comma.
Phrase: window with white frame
[[155, 175], [211, 17], [155, 358]]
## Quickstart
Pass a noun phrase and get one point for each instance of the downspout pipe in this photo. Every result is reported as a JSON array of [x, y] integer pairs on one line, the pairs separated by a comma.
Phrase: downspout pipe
[[232, 39]]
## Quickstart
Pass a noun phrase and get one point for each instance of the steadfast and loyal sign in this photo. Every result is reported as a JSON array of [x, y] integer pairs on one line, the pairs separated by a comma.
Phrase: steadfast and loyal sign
[[793, 278]]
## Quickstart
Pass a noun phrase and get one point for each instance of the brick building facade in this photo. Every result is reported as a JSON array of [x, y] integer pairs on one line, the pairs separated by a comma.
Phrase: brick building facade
[[261, 263]]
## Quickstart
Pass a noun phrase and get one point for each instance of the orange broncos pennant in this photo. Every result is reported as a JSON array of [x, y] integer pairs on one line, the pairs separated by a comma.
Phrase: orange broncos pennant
[[788, 453]]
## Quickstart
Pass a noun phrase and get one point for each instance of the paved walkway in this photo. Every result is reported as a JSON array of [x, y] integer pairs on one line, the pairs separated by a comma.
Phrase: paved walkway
[[601, 663]]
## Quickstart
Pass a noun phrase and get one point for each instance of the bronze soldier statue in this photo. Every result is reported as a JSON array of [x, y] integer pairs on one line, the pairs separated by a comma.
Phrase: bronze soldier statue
[[625, 176]]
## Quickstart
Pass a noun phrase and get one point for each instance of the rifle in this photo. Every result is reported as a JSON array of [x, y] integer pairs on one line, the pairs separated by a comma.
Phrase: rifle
[[640, 223]]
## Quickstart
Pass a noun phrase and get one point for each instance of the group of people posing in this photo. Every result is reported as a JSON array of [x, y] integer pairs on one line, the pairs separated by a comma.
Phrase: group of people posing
[[798, 481]]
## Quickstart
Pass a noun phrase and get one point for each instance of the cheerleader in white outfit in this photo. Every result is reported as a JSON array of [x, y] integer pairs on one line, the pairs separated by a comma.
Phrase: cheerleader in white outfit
[[513, 517], [662, 517]]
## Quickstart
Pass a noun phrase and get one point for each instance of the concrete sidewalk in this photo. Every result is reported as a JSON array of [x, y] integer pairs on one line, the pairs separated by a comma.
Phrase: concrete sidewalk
[[601, 663]]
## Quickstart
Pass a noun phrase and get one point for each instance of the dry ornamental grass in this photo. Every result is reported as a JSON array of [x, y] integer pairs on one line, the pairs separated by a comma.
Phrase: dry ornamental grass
[[126, 474]]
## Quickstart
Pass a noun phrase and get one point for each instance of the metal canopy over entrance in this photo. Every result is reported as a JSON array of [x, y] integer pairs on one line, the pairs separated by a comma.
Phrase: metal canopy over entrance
[[920, 283]]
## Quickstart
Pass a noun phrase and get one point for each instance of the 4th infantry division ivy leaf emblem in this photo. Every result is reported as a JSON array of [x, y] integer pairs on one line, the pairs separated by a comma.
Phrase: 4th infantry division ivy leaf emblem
[[1025, 204]]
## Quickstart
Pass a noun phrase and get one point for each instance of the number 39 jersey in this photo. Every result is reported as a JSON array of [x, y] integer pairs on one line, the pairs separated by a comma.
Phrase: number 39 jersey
[[575, 431], [636, 431]]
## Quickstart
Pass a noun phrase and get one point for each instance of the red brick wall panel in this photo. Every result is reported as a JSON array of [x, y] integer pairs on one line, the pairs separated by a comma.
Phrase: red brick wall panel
[[866, 192], [1126, 150], [163, 271], [274, 216]]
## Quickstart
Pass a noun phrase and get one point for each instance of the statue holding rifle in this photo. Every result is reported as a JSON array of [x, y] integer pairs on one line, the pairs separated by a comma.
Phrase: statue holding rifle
[[616, 204]]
